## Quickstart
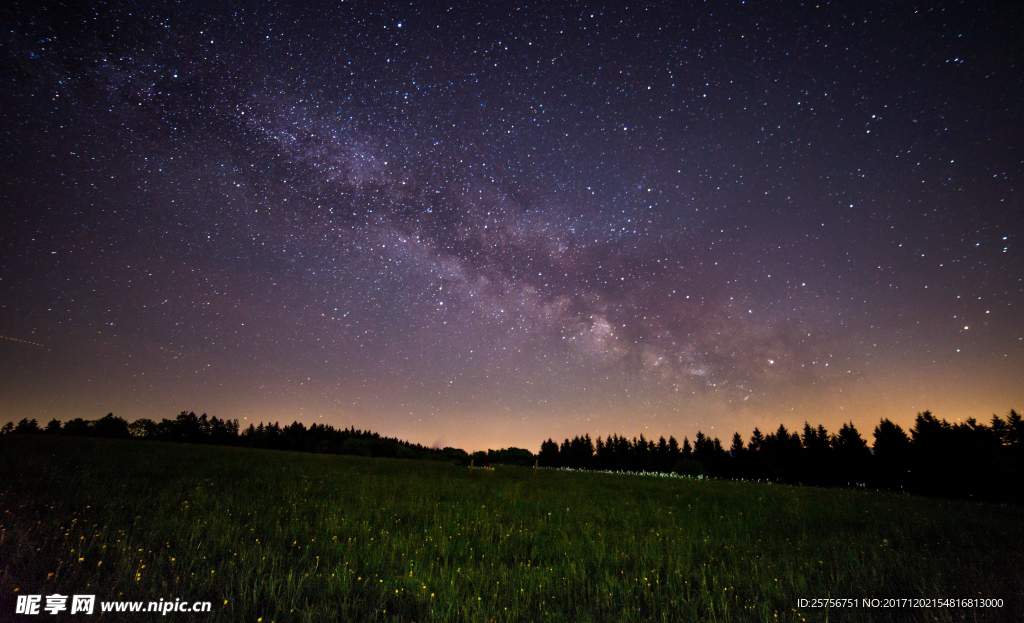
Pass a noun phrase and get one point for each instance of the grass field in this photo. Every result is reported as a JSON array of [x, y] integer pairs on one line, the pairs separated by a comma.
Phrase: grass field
[[275, 536]]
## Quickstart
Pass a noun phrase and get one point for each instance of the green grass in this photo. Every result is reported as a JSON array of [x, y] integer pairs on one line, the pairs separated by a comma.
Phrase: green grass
[[301, 537]]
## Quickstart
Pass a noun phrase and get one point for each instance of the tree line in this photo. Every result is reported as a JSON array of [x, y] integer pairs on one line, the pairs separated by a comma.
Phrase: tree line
[[965, 459], [191, 428]]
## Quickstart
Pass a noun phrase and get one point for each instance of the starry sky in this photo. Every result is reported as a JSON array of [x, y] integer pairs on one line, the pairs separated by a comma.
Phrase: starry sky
[[485, 224]]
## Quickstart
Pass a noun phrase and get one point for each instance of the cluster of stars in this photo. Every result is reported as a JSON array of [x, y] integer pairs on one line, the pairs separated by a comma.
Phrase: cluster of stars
[[442, 220]]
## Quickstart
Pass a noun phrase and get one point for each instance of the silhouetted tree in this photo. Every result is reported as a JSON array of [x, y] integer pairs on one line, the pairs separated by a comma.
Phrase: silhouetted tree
[[781, 453], [27, 427], [77, 427], [144, 428], [738, 461], [981, 454], [111, 426], [226, 432], [660, 462], [933, 451], [736, 448], [641, 455], [710, 454], [577, 453], [1014, 435], [187, 427], [684, 463], [852, 455], [892, 455], [564, 454], [548, 455], [756, 440], [817, 466], [510, 456]]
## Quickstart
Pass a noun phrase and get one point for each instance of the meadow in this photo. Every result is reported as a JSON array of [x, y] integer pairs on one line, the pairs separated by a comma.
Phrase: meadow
[[271, 536]]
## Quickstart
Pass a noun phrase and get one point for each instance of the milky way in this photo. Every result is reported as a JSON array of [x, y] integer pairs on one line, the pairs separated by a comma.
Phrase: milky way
[[484, 225]]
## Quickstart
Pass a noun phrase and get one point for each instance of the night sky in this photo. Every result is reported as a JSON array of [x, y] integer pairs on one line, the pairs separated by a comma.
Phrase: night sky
[[486, 224]]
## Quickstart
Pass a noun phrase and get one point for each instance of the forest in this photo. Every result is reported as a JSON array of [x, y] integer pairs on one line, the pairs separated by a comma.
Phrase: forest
[[969, 460]]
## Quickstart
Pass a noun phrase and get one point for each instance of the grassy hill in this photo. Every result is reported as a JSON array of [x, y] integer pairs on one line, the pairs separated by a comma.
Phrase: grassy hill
[[278, 536]]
